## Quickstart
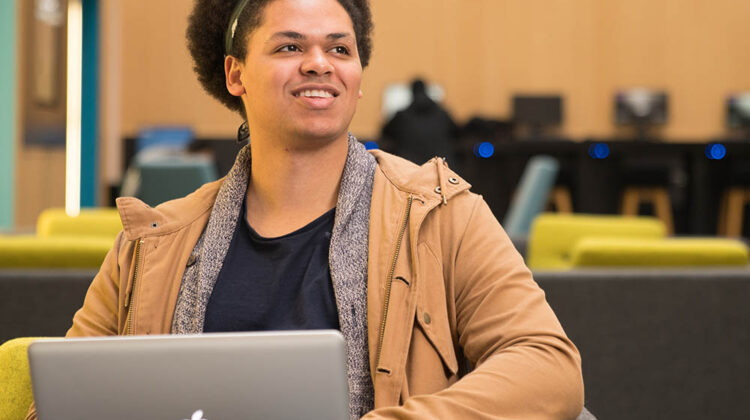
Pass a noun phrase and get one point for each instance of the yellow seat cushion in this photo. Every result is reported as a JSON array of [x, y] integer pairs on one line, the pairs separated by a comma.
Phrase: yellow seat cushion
[[15, 381], [621, 252], [553, 236], [100, 222], [53, 252]]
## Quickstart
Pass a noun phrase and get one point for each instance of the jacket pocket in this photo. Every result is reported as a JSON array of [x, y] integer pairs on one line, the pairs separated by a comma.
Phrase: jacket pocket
[[432, 310]]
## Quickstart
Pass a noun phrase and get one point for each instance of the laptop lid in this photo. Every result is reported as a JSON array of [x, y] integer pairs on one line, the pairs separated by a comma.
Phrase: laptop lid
[[261, 375]]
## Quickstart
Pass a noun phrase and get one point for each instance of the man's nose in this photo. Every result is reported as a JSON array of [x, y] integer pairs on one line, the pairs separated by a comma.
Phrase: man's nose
[[316, 63]]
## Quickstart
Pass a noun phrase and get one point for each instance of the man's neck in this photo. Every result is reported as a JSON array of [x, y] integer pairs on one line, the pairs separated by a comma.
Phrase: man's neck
[[291, 186]]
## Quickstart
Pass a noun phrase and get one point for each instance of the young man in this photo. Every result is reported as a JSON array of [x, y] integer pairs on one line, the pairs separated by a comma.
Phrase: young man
[[309, 230]]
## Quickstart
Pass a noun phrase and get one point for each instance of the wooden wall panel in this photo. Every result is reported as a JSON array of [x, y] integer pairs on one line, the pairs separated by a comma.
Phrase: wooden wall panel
[[40, 183], [483, 51], [158, 83]]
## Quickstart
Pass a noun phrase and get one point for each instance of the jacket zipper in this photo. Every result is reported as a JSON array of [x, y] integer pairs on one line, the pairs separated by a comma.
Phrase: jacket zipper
[[389, 282], [128, 299]]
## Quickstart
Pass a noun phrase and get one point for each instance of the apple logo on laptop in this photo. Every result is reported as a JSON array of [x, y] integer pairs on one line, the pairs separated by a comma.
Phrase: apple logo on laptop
[[198, 415]]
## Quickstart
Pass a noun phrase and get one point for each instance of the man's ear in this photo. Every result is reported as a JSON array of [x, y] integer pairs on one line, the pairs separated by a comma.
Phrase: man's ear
[[233, 73]]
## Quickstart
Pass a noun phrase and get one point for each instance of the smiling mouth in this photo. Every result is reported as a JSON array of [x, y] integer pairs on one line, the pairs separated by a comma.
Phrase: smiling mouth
[[315, 93]]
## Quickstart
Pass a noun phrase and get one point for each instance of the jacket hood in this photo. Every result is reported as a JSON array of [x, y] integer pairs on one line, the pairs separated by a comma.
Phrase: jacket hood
[[139, 219], [433, 182]]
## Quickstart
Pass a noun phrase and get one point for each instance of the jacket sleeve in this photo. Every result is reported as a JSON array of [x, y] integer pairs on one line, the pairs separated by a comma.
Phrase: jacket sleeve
[[99, 314], [526, 367]]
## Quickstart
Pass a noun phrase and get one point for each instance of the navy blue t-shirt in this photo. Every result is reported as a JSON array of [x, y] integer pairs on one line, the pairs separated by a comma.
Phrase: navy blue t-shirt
[[279, 283]]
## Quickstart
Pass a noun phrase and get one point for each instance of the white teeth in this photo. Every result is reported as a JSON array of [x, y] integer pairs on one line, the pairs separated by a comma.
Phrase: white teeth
[[315, 94]]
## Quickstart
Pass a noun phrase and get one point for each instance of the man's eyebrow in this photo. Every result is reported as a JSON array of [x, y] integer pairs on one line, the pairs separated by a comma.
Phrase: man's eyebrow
[[300, 37], [339, 35], [288, 34]]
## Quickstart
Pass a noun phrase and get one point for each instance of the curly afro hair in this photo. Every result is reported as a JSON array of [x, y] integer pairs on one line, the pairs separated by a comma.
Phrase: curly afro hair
[[207, 27]]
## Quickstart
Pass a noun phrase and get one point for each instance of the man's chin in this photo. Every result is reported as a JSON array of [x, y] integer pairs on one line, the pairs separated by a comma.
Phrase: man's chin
[[322, 135]]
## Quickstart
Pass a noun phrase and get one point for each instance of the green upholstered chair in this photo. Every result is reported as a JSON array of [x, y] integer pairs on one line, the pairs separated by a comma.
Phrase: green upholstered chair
[[53, 252], [99, 222], [15, 381], [674, 252], [62, 241], [553, 236]]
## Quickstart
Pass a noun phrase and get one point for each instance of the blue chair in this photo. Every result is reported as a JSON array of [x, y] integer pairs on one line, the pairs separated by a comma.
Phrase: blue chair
[[532, 194]]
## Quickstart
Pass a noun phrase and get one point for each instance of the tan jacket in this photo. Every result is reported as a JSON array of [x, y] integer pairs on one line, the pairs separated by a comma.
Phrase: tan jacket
[[444, 280]]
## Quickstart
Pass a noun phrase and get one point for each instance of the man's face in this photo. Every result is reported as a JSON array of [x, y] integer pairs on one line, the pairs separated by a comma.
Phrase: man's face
[[302, 71]]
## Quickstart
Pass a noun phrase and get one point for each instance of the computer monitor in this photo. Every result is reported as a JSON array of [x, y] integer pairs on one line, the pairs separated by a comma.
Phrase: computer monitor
[[641, 107], [537, 111], [738, 111]]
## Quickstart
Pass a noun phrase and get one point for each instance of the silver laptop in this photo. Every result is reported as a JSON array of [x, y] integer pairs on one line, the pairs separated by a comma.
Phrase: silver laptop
[[264, 375]]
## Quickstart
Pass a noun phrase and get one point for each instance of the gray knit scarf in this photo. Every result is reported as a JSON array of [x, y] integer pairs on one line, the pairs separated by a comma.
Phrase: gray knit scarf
[[347, 259]]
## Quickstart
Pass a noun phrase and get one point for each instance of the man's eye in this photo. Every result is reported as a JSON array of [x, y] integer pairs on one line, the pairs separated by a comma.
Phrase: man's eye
[[289, 48], [341, 50]]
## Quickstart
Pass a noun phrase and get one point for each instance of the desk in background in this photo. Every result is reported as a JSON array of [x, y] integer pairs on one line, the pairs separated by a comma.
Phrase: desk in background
[[696, 182], [696, 185]]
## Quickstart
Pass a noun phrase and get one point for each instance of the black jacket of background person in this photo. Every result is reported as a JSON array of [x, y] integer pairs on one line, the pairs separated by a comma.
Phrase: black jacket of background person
[[423, 130]]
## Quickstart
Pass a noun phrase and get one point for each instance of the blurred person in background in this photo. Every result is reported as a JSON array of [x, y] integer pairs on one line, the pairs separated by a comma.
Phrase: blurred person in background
[[309, 230], [423, 130]]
